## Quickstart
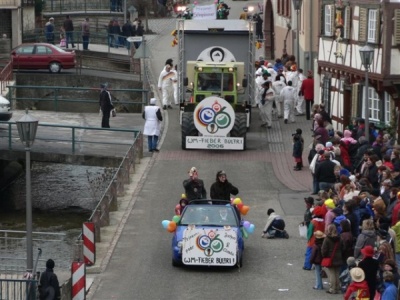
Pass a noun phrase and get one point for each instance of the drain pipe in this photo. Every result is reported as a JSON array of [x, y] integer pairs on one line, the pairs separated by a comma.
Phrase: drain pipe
[[310, 57]]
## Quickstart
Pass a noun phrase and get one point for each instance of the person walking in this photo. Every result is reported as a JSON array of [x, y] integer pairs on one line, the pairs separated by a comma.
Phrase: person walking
[[307, 90], [289, 99], [153, 117], [69, 31], [278, 86], [165, 82], [106, 105], [266, 105], [85, 34], [300, 98], [194, 186], [49, 31], [175, 84], [222, 189], [49, 287]]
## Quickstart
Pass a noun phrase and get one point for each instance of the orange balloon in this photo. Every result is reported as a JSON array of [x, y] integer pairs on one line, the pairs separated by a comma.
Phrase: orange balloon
[[244, 210], [171, 226]]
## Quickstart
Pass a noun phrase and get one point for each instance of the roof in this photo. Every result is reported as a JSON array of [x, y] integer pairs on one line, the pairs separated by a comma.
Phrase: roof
[[225, 25]]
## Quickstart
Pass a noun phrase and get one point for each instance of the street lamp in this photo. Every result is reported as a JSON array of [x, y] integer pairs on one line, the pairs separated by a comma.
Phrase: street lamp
[[367, 56], [297, 6], [27, 127]]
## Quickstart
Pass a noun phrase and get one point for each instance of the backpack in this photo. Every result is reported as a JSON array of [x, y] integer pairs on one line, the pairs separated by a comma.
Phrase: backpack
[[337, 221]]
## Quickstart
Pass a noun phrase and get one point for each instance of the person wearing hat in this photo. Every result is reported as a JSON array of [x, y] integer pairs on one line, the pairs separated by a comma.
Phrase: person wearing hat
[[266, 103], [49, 287], [309, 201], [106, 105], [49, 31], [222, 189], [317, 224], [370, 267], [181, 205], [288, 97], [316, 259], [194, 186], [358, 288], [275, 226], [307, 90], [152, 115]]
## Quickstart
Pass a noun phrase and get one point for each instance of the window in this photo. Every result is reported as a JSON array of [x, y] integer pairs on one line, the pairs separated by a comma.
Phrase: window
[[347, 22], [373, 104], [372, 15], [397, 26], [42, 50], [388, 108], [284, 7], [329, 18], [25, 50], [369, 25], [326, 92]]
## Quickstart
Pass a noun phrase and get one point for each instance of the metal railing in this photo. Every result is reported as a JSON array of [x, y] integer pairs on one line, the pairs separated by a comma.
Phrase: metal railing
[[11, 134], [6, 74], [18, 289], [68, 5], [58, 95], [108, 202]]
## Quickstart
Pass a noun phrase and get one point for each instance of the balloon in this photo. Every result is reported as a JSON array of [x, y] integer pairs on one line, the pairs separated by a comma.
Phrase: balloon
[[171, 226], [239, 206], [177, 209], [244, 232], [246, 224], [237, 201], [195, 2], [251, 228], [176, 218], [165, 223], [183, 196], [245, 209]]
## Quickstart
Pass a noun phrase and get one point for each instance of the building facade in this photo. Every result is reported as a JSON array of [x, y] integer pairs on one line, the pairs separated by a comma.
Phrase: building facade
[[345, 27]]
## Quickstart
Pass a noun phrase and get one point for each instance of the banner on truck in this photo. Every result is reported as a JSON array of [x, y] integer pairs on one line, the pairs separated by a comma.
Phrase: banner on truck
[[205, 12]]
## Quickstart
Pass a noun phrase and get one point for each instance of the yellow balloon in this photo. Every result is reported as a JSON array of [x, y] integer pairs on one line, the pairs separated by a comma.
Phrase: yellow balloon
[[183, 196], [237, 201]]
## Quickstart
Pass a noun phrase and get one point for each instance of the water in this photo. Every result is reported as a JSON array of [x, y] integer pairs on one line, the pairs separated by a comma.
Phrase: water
[[63, 197]]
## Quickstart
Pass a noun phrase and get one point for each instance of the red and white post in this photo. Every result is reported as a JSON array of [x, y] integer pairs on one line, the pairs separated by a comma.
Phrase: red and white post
[[78, 270], [89, 245]]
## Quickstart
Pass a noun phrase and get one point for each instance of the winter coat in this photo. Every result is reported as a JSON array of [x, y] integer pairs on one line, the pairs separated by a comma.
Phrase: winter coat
[[321, 135], [223, 190], [49, 280], [324, 172], [194, 189], [370, 267], [316, 254], [307, 89], [396, 229], [386, 252], [354, 221], [105, 102], [357, 291], [365, 238], [327, 250], [348, 245], [315, 225], [297, 149], [390, 292], [395, 213]]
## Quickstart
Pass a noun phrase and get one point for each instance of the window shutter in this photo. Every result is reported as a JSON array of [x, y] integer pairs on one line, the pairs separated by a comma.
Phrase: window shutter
[[362, 29], [377, 26], [347, 22], [397, 26], [355, 92], [333, 15]]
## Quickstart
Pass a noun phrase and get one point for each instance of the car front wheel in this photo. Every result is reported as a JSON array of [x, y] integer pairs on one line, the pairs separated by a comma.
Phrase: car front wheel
[[54, 67]]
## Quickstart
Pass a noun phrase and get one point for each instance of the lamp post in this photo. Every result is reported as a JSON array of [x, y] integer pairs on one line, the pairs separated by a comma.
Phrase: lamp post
[[367, 56], [297, 6], [27, 127]]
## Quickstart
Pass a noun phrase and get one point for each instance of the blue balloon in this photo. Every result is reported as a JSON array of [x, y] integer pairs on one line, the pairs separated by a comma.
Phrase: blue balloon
[[251, 228], [165, 223]]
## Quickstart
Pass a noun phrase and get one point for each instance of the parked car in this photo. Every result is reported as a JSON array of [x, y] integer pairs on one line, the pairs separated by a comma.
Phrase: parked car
[[42, 56], [209, 233], [5, 113]]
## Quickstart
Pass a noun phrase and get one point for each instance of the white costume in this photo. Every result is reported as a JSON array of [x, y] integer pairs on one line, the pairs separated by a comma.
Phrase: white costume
[[175, 86], [152, 124], [300, 106], [165, 84], [277, 86], [288, 96], [272, 71], [266, 108]]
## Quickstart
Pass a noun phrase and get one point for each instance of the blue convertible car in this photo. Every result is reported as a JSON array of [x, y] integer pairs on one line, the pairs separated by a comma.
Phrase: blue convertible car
[[208, 233]]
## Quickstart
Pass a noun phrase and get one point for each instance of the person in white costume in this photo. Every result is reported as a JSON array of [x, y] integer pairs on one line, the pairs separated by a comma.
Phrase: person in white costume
[[165, 82], [277, 86], [300, 106], [266, 105], [288, 96], [152, 115], [175, 84]]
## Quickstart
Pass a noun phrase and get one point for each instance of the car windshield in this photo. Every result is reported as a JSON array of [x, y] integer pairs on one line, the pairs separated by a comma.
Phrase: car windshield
[[218, 215]]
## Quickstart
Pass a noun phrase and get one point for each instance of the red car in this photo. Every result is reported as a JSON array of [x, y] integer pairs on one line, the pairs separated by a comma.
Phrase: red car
[[42, 56]]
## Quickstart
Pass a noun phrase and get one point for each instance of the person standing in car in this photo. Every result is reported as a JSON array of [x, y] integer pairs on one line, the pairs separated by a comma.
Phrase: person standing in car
[[222, 189], [194, 187]]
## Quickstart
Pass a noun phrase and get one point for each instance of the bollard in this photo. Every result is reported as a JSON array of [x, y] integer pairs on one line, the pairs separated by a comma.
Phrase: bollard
[[89, 245], [78, 274]]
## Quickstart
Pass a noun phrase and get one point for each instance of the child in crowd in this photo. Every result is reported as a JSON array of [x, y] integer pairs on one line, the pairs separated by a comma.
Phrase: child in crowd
[[316, 259], [297, 151]]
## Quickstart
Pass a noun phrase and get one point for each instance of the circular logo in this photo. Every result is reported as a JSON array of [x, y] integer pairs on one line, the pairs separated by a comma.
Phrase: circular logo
[[203, 242], [216, 54], [214, 116]]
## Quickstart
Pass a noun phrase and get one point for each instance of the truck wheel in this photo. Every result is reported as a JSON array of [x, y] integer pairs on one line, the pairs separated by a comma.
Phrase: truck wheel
[[188, 127], [240, 129]]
